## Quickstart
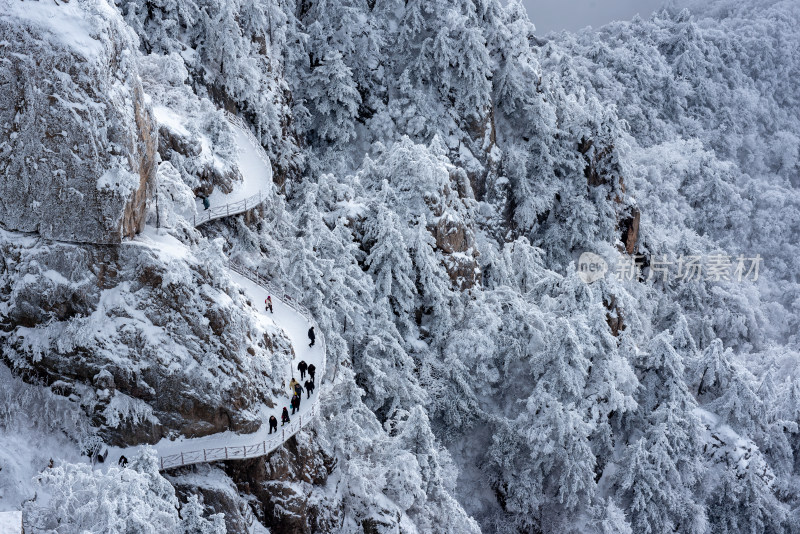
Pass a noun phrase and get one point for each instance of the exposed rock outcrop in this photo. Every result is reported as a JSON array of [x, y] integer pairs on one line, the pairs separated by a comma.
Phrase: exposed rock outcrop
[[629, 228], [78, 144], [456, 241], [150, 340], [602, 169], [283, 484], [217, 492]]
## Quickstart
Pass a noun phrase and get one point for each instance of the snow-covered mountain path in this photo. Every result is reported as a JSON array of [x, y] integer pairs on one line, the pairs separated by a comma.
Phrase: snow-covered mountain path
[[230, 445], [256, 185], [288, 315]]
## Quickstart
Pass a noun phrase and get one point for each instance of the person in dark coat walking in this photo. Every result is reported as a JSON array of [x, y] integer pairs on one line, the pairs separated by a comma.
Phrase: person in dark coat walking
[[309, 388], [273, 423], [285, 416], [302, 366], [311, 336], [206, 203], [298, 389], [123, 462], [312, 371], [295, 403]]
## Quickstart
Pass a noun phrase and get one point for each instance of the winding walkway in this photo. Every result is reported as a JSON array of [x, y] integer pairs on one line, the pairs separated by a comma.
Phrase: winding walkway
[[295, 321], [256, 185], [288, 314]]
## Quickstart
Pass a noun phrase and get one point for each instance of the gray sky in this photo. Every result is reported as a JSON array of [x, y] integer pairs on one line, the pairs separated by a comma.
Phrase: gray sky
[[555, 15]]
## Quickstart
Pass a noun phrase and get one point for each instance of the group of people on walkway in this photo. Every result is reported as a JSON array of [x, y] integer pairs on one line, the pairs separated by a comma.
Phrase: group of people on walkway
[[296, 390]]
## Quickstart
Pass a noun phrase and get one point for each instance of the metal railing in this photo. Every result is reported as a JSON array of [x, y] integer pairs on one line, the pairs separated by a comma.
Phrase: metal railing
[[254, 276], [234, 208], [263, 447], [241, 452], [264, 282]]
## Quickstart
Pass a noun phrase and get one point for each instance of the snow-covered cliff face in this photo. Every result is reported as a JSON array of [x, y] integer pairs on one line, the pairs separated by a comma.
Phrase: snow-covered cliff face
[[150, 337], [443, 169], [77, 139]]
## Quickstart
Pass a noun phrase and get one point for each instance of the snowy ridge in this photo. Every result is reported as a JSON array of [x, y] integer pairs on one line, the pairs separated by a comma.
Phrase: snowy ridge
[[266, 445]]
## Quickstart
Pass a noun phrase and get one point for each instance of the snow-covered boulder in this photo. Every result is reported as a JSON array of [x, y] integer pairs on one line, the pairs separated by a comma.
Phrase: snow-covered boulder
[[78, 144]]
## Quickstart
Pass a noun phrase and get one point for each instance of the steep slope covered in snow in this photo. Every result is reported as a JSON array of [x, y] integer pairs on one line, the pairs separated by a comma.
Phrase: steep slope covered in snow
[[441, 170]]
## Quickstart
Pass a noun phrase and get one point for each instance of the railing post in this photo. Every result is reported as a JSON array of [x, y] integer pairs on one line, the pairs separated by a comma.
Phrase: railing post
[[228, 210], [226, 453], [264, 446], [182, 462], [244, 451], [162, 463], [205, 458]]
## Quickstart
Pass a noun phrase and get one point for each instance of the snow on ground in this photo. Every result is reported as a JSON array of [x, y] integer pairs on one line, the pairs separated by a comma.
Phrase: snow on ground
[[256, 174], [10, 522], [66, 23], [296, 328], [167, 246], [170, 119]]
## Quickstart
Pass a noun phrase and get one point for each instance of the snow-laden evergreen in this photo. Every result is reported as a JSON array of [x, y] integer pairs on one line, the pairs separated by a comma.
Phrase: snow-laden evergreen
[[440, 170]]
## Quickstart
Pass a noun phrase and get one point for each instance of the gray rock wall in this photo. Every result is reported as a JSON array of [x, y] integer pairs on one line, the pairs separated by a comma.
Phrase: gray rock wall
[[78, 144]]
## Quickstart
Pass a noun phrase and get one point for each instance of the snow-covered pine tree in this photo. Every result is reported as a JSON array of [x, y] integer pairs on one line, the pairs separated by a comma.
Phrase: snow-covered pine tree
[[662, 466], [333, 99], [388, 261], [195, 523]]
